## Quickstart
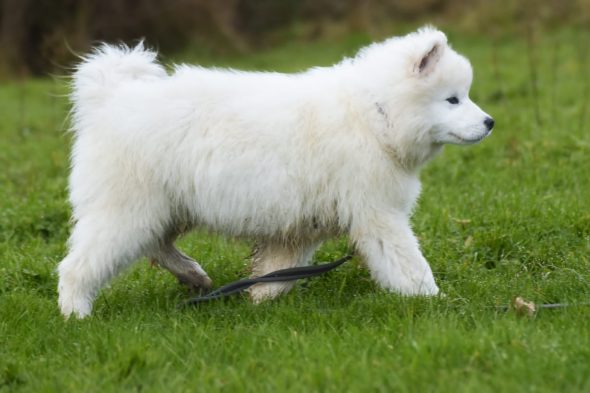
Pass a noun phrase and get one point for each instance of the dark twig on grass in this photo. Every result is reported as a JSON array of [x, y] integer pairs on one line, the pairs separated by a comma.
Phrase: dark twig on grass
[[584, 78], [554, 79], [500, 92], [22, 106], [527, 308], [533, 72]]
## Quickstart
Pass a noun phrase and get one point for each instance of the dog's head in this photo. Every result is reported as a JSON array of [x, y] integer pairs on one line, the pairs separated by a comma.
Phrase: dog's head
[[420, 86], [442, 79]]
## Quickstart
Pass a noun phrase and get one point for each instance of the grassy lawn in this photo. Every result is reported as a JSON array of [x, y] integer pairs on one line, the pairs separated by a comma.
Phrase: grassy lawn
[[509, 217]]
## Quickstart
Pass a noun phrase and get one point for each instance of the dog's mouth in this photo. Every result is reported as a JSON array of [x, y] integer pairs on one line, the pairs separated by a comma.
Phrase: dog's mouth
[[470, 141]]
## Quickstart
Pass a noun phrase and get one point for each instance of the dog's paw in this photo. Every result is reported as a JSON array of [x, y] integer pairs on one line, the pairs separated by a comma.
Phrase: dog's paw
[[424, 287], [429, 290], [412, 287], [77, 307], [195, 281]]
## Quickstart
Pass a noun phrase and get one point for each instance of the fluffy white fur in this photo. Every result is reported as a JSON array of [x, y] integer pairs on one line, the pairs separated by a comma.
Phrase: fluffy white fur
[[287, 160]]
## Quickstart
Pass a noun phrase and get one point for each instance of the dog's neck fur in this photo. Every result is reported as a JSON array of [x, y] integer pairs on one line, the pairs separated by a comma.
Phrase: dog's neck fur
[[410, 154]]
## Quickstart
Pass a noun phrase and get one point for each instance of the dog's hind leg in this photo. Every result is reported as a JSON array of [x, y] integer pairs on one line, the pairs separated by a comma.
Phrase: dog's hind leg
[[101, 245], [185, 269], [268, 257]]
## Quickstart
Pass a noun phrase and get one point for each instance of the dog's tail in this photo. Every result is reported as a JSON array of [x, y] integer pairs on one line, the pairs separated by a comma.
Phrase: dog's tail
[[106, 68]]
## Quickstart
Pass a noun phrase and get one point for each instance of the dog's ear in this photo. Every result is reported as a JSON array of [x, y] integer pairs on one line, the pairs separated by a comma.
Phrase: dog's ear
[[430, 52]]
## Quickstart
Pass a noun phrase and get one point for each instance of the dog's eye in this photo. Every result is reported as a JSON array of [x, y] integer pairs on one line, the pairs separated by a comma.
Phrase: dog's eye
[[453, 100]]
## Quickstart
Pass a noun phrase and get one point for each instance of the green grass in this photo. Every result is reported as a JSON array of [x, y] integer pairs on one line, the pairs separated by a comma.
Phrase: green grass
[[505, 218]]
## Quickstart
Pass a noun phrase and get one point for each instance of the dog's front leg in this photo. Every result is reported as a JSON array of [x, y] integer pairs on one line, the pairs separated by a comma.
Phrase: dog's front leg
[[392, 254]]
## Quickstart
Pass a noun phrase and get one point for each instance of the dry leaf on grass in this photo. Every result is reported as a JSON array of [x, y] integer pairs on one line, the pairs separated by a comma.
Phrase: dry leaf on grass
[[522, 307]]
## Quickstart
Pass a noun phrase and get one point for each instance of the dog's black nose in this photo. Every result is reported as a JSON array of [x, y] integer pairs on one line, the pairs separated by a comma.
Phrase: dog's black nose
[[489, 122]]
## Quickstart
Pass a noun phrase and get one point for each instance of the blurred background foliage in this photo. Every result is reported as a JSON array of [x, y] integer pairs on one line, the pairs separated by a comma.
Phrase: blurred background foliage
[[38, 37]]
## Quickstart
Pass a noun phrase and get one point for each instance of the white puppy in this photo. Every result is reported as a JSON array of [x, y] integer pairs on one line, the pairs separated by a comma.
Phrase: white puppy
[[287, 160]]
